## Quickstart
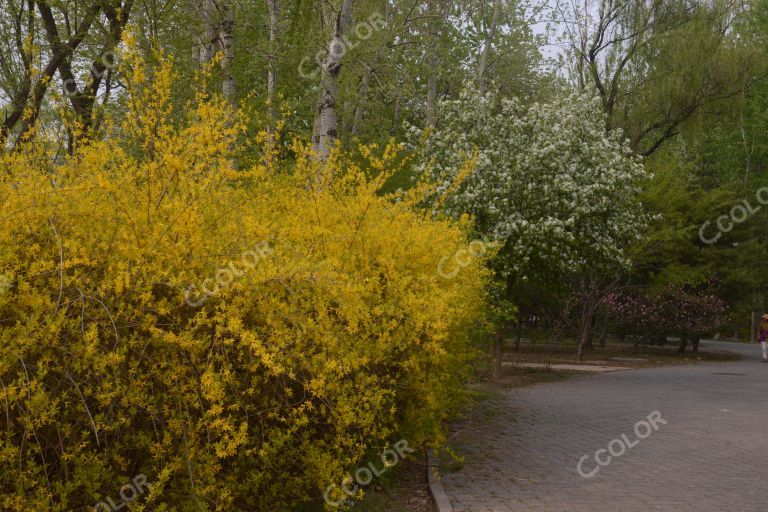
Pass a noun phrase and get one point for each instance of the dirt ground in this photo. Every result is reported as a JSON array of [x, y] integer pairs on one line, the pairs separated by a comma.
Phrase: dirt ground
[[405, 491]]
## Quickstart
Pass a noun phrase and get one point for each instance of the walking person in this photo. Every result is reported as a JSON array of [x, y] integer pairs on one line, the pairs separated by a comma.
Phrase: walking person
[[763, 336]]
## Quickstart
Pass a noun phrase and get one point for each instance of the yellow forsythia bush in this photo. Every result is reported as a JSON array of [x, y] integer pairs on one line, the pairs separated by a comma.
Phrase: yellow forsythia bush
[[240, 337]]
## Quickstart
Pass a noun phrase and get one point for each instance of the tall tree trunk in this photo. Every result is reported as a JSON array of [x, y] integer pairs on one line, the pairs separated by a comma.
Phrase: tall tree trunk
[[226, 37], [326, 122], [497, 354], [84, 102], [61, 51], [592, 291], [218, 22], [208, 40], [589, 345], [357, 118], [274, 35], [519, 335], [482, 67], [22, 31], [604, 332], [585, 329], [432, 59]]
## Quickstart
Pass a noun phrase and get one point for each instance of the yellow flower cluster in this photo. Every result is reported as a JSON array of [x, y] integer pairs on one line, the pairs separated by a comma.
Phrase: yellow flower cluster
[[341, 338]]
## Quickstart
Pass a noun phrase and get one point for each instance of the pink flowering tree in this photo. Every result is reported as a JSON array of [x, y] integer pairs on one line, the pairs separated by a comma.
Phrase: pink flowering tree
[[685, 311]]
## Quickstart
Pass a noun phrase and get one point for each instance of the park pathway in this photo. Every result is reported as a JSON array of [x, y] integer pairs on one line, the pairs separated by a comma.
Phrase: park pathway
[[711, 455]]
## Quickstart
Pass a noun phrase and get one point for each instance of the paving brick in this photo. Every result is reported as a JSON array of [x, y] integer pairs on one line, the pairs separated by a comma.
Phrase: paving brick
[[711, 455]]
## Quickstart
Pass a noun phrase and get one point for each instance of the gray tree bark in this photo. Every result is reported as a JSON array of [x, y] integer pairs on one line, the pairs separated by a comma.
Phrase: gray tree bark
[[274, 35], [208, 40], [498, 354], [482, 67], [218, 24], [357, 118], [326, 122], [433, 61], [226, 37]]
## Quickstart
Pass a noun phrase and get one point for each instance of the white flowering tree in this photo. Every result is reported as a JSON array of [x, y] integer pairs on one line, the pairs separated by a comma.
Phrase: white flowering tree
[[556, 190]]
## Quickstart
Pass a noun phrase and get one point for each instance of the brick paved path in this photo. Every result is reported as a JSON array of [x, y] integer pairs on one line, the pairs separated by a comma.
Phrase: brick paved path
[[711, 455]]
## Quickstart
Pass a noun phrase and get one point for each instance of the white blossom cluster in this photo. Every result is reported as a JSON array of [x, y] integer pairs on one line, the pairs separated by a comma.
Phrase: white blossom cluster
[[558, 192]]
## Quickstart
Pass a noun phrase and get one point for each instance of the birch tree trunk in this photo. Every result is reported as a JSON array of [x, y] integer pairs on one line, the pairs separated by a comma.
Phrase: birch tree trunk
[[362, 92], [28, 113], [218, 22], [489, 37], [226, 37], [84, 102], [209, 38], [274, 35], [326, 122], [433, 61]]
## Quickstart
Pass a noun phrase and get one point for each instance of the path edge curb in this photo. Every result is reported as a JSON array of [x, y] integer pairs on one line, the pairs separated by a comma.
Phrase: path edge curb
[[439, 496]]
